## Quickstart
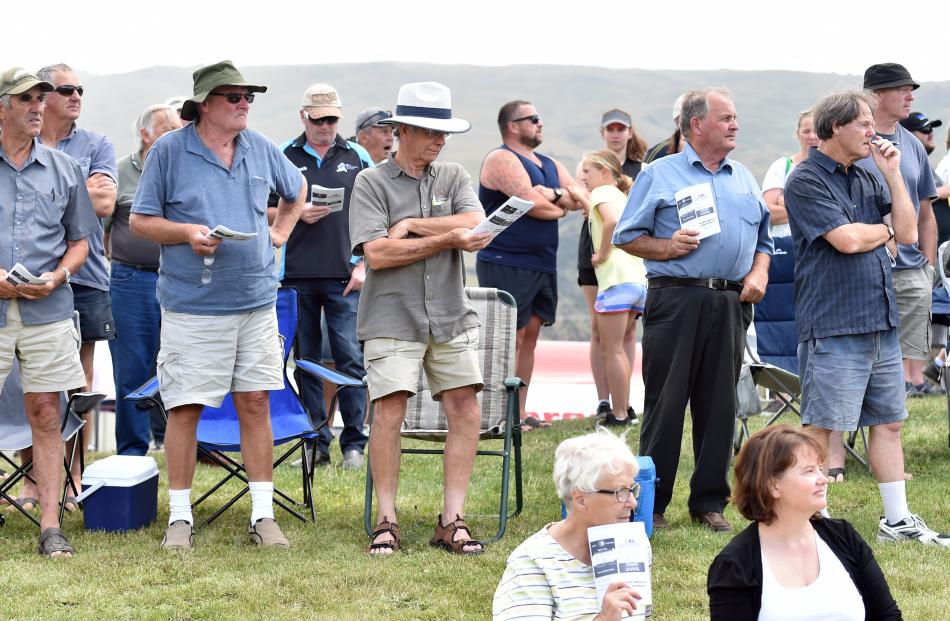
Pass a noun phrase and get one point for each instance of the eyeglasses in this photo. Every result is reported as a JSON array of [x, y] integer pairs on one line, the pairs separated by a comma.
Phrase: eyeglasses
[[323, 120], [27, 98], [434, 133], [67, 90], [206, 274], [534, 118], [235, 98], [623, 494]]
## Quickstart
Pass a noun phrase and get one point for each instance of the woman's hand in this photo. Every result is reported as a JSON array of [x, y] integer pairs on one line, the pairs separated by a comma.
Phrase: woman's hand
[[599, 257], [620, 597]]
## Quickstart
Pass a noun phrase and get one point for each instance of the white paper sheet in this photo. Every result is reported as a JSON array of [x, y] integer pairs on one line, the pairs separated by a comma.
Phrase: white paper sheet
[[696, 207], [224, 232], [622, 553], [504, 216], [327, 197], [19, 275]]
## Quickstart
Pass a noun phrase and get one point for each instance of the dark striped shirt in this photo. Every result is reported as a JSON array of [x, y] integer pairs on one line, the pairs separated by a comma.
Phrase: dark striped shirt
[[837, 293]]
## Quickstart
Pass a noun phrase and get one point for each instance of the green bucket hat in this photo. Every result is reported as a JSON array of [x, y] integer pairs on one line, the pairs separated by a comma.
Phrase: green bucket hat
[[211, 77], [18, 80]]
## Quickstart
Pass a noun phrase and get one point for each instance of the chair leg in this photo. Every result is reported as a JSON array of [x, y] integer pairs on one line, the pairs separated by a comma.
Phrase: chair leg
[[368, 500]]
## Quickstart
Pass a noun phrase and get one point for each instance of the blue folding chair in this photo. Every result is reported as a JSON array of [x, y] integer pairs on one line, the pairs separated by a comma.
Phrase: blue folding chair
[[219, 432]]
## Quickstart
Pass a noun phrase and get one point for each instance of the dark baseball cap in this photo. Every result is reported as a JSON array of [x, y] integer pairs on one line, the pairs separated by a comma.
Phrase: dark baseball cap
[[887, 75], [615, 116], [371, 117], [918, 122]]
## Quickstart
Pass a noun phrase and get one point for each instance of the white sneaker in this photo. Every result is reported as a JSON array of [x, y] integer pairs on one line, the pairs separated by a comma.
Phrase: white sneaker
[[912, 528]]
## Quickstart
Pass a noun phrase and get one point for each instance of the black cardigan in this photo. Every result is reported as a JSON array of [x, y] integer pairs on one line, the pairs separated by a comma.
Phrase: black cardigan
[[734, 582]]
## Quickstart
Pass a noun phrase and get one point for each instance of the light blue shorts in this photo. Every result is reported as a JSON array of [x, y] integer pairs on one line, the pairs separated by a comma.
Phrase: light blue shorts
[[852, 381]]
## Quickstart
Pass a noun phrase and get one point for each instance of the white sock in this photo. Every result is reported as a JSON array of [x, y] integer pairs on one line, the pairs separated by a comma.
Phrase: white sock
[[894, 495], [262, 500], [179, 505]]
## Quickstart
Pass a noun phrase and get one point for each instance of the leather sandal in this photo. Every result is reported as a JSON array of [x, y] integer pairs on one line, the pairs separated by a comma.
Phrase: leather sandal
[[444, 537], [53, 544], [385, 526]]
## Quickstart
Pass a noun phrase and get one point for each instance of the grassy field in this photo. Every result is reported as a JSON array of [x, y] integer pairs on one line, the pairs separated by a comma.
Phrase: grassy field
[[327, 575]]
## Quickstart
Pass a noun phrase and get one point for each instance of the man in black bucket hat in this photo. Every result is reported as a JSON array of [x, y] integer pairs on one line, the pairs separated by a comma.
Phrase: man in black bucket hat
[[219, 325]]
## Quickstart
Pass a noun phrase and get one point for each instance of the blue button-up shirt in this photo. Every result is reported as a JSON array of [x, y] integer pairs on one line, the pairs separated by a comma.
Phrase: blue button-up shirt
[[42, 205], [95, 154], [743, 216], [837, 293], [184, 181]]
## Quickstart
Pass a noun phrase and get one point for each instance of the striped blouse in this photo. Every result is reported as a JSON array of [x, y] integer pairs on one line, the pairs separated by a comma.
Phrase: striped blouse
[[543, 581]]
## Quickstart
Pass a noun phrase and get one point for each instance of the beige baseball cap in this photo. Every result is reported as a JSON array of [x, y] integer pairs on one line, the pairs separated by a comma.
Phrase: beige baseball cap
[[320, 100]]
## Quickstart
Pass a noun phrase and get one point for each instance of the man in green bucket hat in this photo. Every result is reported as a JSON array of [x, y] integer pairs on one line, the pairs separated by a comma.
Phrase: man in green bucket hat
[[219, 325]]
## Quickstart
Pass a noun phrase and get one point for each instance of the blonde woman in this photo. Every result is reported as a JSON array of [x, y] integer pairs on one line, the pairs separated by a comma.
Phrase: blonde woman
[[773, 184], [621, 291]]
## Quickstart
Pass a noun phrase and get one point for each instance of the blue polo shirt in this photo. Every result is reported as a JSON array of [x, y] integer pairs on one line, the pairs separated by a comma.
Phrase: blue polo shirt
[[743, 216], [837, 293], [95, 154], [42, 205], [184, 181]]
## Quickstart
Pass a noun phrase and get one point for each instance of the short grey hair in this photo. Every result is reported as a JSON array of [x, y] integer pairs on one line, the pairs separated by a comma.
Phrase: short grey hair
[[146, 121], [696, 104], [839, 109], [6, 101], [46, 73], [580, 462]]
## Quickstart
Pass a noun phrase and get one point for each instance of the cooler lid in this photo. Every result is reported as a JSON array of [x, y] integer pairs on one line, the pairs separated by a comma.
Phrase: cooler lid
[[120, 470]]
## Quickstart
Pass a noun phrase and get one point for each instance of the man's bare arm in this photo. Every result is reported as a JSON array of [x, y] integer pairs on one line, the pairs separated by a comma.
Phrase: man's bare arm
[[857, 237], [102, 192], [503, 171], [427, 227], [168, 233], [661, 249], [927, 231], [286, 217], [386, 252]]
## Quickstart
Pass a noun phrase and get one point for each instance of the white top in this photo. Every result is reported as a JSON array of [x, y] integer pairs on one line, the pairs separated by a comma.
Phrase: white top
[[774, 179], [831, 597], [943, 169]]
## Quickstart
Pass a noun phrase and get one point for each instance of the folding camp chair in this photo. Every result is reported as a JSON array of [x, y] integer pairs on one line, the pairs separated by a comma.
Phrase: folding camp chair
[[498, 402], [219, 432], [16, 435], [943, 256]]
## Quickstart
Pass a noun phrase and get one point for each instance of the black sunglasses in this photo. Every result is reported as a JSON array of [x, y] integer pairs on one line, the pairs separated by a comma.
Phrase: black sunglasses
[[67, 90], [234, 98], [534, 118], [925, 131], [324, 120], [27, 98]]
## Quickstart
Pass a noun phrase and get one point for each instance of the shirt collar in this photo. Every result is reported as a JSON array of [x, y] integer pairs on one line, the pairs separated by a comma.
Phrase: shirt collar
[[692, 157], [826, 162], [301, 141], [394, 169], [37, 154], [136, 164], [194, 144]]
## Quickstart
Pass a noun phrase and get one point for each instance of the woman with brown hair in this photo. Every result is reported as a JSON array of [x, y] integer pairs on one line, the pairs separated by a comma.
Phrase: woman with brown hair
[[621, 277], [791, 563]]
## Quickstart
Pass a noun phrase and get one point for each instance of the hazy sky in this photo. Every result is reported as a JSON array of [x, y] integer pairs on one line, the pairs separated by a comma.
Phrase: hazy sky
[[108, 36]]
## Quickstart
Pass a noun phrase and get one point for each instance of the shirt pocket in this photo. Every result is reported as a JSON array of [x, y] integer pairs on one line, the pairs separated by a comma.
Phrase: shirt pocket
[[47, 208], [259, 189], [750, 217]]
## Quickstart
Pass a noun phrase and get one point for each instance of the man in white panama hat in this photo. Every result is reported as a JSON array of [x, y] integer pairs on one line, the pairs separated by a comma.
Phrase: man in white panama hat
[[413, 311]]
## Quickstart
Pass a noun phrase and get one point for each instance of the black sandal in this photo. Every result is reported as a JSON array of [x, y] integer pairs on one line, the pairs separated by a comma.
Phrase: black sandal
[[53, 544], [444, 537], [385, 526], [834, 473]]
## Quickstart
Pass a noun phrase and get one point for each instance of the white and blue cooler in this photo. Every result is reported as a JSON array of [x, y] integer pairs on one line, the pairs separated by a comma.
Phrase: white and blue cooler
[[120, 493]]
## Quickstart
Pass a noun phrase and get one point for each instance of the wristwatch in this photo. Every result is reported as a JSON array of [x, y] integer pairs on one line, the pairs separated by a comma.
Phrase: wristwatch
[[890, 232], [558, 193], [68, 274]]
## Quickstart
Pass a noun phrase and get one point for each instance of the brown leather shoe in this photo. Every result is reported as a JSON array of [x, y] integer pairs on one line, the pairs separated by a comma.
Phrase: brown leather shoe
[[659, 521], [714, 521]]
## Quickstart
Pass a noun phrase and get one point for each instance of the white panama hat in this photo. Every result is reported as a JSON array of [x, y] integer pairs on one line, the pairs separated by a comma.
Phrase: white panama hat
[[427, 105]]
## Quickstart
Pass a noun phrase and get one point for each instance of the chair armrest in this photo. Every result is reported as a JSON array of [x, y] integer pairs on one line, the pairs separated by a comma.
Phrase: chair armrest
[[82, 402], [148, 390], [514, 382], [330, 375]]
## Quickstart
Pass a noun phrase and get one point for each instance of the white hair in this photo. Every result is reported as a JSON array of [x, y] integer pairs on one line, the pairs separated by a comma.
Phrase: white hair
[[146, 121], [580, 462]]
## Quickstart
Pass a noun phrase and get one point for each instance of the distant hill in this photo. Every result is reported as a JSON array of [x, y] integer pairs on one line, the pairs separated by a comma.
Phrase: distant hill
[[570, 99]]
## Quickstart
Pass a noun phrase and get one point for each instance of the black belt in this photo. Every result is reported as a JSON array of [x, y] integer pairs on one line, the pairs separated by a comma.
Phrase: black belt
[[141, 268], [720, 284]]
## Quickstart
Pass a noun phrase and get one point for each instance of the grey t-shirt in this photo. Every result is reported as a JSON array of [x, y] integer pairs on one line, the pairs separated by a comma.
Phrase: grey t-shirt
[[125, 247], [919, 179], [184, 181], [425, 298]]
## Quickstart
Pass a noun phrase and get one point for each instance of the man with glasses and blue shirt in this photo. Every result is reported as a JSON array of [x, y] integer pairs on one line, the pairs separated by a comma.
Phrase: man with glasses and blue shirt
[[319, 265], [219, 324], [702, 284], [45, 222], [522, 260]]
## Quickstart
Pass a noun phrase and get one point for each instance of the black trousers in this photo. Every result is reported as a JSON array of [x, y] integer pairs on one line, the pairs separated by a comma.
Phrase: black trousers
[[693, 343]]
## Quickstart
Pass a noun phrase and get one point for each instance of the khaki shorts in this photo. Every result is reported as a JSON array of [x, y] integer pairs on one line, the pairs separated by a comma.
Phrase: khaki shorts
[[393, 365], [205, 357], [914, 289], [48, 353]]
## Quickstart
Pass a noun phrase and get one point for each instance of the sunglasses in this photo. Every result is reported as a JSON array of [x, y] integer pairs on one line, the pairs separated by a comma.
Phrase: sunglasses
[[235, 98], [67, 90], [323, 120], [534, 118], [27, 98], [379, 116], [926, 131]]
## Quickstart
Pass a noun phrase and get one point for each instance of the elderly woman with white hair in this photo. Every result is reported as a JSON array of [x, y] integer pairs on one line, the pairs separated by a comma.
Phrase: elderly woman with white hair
[[549, 576]]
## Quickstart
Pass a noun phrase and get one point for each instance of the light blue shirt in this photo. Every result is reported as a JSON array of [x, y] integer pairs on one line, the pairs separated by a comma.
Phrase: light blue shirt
[[743, 216], [95, 154], [42, 205], [184, 181]]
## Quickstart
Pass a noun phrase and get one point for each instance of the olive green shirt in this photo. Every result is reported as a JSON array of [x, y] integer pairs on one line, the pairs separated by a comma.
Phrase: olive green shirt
[[425, 299]]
